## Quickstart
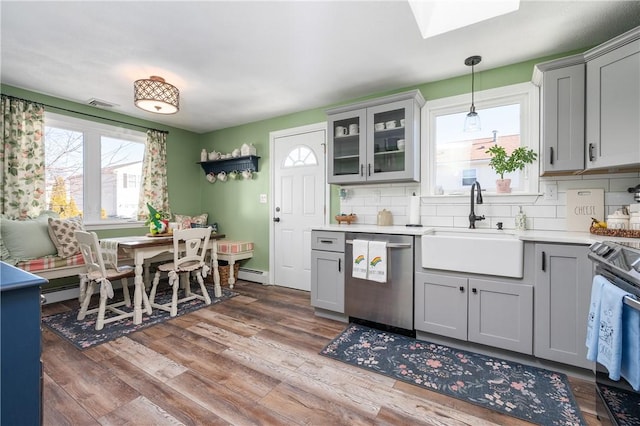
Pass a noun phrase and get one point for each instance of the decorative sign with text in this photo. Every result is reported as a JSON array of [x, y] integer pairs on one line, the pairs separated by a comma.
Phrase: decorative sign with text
[[582, 205]]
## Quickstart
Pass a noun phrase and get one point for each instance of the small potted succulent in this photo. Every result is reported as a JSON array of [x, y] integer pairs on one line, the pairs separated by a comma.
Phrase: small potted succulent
[[503, 163]]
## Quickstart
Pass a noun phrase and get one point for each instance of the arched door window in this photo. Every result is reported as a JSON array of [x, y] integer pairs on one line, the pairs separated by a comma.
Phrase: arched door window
[[300, 156]]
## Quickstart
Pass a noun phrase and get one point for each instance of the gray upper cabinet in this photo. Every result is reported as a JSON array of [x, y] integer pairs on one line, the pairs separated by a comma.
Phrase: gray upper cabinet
[[613, 103], [376, 141], [562, 85], [562, 294], [590, 104]]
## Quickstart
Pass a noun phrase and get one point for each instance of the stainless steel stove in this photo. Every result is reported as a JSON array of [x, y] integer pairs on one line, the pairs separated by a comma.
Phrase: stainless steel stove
[[619, 262]]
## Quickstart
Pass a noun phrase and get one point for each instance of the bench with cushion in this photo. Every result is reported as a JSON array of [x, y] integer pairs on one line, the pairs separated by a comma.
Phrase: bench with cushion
[[44, 245]]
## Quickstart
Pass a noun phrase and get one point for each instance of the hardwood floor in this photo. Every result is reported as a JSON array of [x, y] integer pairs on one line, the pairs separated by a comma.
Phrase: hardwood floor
[[250, 360]]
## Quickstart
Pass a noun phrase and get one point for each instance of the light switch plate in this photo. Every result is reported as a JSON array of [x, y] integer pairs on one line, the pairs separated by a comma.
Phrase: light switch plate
[[263, 198]]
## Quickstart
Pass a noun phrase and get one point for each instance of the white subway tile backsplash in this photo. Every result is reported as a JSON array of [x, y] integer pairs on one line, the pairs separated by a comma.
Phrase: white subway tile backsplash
[[535, 211], [548, 224], [446, 221], [493, 210], [618, 199], [561, 211], [399, 201], [428, 210], [453, 211], [622, 184], [583, 184]]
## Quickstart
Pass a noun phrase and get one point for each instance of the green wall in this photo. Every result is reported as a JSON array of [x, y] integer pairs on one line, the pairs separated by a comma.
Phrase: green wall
[[235, 205]]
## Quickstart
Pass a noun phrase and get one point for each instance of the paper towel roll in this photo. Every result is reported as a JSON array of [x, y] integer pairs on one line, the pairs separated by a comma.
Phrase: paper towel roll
[[414, 210]]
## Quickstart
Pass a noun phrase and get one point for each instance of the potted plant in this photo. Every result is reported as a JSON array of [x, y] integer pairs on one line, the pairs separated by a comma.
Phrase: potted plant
[[503, 163]]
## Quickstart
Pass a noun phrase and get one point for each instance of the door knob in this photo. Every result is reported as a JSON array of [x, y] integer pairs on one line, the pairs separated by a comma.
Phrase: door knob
[[276, 219]]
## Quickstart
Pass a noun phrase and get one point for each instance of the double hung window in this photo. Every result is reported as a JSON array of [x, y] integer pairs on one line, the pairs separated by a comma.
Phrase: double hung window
[[92, 169]]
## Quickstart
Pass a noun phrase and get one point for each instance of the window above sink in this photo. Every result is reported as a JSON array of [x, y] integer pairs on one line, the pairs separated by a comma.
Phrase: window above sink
[[454, 159]]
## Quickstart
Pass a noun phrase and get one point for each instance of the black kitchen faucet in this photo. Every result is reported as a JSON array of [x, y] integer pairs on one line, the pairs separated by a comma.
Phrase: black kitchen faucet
[[472, 216]]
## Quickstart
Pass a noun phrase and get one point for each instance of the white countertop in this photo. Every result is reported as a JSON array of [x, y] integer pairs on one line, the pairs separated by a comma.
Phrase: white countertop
[[564, 237]]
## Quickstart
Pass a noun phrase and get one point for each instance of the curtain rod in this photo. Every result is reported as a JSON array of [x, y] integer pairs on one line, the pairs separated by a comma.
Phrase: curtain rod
[[88, 115]]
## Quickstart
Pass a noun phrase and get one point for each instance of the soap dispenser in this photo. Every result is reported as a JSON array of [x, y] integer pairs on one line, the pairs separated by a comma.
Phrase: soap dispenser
[[521, 220]]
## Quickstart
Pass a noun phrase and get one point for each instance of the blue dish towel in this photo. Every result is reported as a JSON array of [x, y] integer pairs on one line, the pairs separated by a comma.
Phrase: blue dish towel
[[610, 332], [593, 321], [630, 368]]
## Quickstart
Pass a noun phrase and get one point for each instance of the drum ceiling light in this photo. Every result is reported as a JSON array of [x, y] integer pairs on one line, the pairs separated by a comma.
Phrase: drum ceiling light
[[156, 95]]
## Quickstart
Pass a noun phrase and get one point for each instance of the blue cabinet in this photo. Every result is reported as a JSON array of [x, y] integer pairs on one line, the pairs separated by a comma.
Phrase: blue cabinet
[[20, 347]]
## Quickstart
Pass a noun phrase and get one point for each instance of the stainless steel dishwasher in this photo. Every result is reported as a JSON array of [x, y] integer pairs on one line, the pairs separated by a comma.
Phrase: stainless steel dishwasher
[[389, 304]]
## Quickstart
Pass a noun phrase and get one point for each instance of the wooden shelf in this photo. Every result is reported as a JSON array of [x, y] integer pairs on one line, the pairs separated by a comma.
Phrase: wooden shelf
[[230, 164]]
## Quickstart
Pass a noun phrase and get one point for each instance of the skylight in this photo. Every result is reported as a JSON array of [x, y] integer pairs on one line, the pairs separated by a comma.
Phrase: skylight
[[436, 17]]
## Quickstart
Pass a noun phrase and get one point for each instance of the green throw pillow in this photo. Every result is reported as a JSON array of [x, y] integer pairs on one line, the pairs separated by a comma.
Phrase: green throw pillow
[[26, 239]]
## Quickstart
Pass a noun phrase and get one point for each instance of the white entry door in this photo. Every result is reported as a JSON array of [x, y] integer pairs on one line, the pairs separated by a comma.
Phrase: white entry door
[[298, 202]]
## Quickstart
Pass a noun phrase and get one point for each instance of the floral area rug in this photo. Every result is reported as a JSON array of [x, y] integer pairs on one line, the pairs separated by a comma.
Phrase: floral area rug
[[624, 405], [83, 334], [529, 393]]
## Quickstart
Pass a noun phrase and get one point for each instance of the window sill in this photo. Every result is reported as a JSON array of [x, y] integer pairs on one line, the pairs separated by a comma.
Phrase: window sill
[[106, 225]]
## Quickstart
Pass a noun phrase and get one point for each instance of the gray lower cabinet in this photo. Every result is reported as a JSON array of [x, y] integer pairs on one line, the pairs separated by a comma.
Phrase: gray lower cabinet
[[327, 270], [563, 279], [485, 311], [441, 305]]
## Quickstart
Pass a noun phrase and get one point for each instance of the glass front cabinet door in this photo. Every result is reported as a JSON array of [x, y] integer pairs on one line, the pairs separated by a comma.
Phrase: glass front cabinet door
[[376, 141], [347, 147]]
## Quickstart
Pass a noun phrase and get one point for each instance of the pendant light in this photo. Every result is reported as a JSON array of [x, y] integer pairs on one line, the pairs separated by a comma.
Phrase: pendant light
[[156, 95], [472, 120]]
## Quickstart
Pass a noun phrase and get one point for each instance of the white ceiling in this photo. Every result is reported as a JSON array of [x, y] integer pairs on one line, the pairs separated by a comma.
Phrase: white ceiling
[[237, 62]]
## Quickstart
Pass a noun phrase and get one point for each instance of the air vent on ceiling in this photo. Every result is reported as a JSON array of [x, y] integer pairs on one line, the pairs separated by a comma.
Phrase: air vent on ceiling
[[100, 103]]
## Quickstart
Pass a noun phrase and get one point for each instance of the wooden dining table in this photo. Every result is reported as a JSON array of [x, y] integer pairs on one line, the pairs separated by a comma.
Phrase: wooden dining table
[[142, 249]]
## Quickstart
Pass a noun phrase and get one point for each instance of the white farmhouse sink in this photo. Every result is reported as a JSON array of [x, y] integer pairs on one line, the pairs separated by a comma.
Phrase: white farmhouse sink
[[481, 252]]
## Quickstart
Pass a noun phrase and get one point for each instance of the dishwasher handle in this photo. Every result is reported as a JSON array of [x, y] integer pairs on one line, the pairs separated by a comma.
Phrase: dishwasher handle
[[389, 245]]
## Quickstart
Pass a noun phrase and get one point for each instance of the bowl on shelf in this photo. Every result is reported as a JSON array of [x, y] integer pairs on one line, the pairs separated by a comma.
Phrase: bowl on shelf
[[347, 218]]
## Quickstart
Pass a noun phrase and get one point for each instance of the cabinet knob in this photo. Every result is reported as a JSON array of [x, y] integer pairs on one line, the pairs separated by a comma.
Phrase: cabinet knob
[[461, 289], [474, 290], [276, 219]]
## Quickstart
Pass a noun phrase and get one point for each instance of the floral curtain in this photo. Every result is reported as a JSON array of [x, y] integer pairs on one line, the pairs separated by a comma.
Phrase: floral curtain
[[22, 158], [154, 175]]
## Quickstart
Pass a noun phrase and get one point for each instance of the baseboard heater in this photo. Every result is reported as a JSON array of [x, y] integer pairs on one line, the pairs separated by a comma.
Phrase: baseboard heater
[[254, 275]]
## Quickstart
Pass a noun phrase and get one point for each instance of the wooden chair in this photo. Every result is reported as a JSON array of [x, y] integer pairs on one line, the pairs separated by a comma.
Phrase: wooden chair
[[189, 252], [99, 274]]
